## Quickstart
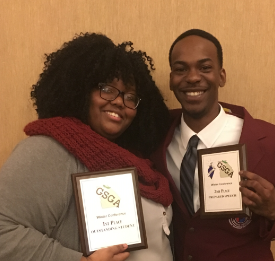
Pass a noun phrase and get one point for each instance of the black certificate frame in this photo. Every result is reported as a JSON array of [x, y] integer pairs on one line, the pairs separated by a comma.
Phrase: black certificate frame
[[244, 212], [76, 178]]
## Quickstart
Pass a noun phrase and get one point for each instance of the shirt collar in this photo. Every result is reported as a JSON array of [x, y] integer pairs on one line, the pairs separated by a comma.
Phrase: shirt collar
[[209, 134]]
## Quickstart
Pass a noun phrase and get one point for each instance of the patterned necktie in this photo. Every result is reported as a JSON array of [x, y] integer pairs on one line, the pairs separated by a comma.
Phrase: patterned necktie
[[187, 171]]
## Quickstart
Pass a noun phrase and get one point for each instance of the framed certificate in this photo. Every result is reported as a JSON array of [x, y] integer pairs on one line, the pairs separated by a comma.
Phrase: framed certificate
[[219, 178], [109, 209]]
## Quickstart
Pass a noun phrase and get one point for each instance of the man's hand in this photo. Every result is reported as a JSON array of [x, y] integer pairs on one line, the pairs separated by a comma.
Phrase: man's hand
[[113, 253], [258, 194]]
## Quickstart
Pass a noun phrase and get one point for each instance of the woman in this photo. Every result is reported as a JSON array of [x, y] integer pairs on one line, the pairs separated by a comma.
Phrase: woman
[[98, 109]]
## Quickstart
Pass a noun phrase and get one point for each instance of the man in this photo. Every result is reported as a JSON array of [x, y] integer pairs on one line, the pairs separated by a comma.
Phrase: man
[[196, 62]]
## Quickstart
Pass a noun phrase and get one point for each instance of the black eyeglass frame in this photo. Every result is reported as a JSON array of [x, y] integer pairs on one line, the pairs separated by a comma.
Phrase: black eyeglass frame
[[101, 85]]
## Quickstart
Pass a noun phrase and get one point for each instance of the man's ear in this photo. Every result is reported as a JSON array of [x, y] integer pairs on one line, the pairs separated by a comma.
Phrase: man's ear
[[171, 89], [222, 77]]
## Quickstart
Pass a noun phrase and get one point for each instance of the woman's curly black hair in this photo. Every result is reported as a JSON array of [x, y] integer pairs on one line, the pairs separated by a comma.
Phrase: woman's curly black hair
[[69, 75]]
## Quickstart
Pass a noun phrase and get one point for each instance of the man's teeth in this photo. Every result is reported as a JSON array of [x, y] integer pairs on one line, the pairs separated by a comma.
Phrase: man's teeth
[[113, 114], [194, 93]]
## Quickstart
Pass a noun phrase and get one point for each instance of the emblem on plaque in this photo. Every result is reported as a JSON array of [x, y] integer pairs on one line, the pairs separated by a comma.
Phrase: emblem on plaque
[[108, 197], [225, 169], [211, 170]]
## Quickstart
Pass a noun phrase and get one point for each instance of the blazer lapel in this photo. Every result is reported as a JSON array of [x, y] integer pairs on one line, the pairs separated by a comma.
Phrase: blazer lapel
[[251, 136]]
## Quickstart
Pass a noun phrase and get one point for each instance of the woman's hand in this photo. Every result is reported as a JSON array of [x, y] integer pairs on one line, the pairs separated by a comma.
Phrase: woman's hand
[[113, 253]]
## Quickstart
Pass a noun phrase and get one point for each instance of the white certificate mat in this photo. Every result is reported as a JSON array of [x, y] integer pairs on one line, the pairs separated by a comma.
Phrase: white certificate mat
[[109, 209], [221, 185]]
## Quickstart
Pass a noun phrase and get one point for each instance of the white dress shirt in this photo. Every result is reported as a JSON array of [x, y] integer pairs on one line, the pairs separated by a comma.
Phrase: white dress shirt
[[224, 130]]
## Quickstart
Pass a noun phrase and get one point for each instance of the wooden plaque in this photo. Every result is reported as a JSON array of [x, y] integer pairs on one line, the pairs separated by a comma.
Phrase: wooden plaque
[[218, 170], [109, 209]]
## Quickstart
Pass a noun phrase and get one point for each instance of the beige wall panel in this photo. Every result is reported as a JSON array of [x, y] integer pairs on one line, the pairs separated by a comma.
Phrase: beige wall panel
[[30, 28], [33, 27]]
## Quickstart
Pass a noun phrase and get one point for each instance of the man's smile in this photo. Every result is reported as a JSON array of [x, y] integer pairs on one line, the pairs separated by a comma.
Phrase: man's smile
[[199, 93]]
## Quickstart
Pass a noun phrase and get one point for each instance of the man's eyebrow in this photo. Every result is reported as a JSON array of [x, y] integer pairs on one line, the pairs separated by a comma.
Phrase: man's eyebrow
[[199, 61], [205, 60]]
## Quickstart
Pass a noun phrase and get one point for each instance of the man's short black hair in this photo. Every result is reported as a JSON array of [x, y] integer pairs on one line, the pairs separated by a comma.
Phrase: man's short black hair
[[202, 34]]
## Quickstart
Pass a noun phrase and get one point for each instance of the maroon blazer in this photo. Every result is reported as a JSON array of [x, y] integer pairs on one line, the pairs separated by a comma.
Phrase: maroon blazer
[[225, 239]]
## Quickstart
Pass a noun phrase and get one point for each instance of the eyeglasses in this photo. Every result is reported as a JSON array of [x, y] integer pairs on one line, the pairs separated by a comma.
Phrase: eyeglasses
[[110, 93]]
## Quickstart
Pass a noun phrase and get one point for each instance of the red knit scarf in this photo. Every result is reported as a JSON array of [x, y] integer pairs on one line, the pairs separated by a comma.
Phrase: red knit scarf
[[97, 153]]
